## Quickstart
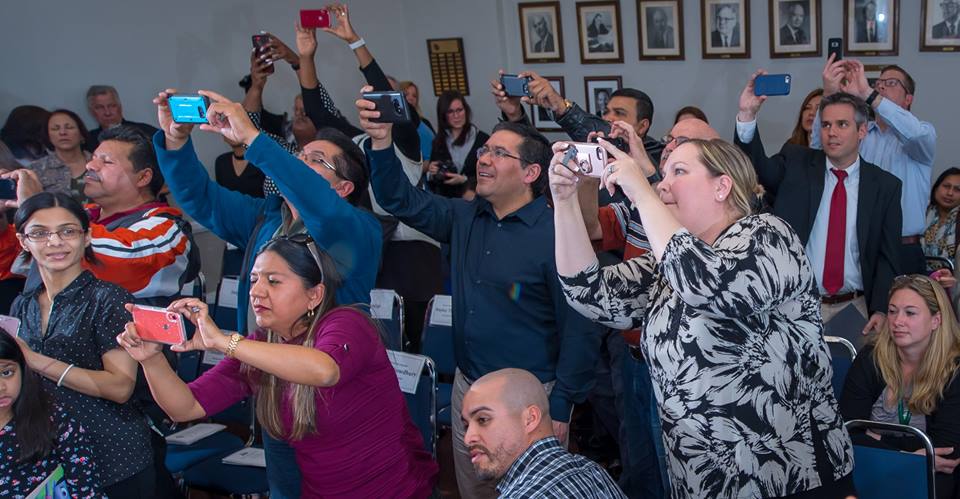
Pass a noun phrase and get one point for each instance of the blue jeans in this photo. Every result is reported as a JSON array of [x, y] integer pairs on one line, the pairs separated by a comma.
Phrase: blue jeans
[[283, 475], [640, 433]]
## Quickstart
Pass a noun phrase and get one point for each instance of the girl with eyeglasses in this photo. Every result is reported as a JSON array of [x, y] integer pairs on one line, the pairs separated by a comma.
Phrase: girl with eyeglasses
[[908, 375], [323, 382], [67, 327], [452, 170]]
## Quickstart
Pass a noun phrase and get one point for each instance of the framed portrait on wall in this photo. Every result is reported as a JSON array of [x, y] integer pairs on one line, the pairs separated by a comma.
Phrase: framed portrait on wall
[[540, 32], [795, 28], [598, 91], [660, 29], [871, 27], [598, 26], [541, 118], [939, 25], [725, 29]]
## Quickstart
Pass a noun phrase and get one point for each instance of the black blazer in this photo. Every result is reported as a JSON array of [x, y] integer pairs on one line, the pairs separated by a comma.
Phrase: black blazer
[[794, 179], [717, 41], [863, 387]]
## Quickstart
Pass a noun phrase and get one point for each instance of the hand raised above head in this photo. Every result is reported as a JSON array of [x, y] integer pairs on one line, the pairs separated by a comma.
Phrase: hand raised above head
[[340, 26], [176, 134], [379, 132], [750, 103], [229, 119]]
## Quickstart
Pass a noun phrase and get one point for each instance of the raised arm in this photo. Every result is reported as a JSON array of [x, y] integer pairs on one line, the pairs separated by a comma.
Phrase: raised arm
[[770, 170]]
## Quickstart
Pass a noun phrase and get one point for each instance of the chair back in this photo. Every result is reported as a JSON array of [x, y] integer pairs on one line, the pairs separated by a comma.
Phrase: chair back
[[225, 307], [437, 339], [422, 404], [386, 307], [881, 473], [842, 353]]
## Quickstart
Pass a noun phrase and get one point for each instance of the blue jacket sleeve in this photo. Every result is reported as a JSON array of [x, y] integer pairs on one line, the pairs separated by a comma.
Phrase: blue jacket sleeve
[[428, 213], [351, 236], [228, 214]]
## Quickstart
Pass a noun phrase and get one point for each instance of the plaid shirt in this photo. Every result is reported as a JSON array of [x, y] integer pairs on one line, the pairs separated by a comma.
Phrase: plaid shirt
[[547, 470]]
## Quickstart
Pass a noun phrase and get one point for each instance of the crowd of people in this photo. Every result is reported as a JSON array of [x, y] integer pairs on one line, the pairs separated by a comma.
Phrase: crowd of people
[[684, 291]]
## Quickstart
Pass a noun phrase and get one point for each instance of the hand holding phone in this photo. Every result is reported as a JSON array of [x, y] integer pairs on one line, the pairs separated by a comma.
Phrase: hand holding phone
[[589, 157], [159, 325], [188, 108], [835, 48], [516, 86], [392, 106], [260, 42], [8, 189]]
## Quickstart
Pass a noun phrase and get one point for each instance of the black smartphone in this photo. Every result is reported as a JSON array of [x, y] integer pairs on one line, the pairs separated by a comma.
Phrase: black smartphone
[[188, 108], [8, 189], [515, 86], [260, 42], [618, 142], [392, 106], [771, 85], [835, 46]]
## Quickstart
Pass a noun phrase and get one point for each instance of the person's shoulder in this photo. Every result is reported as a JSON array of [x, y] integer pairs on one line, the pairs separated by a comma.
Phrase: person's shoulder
[[163, 211], [883, 177]]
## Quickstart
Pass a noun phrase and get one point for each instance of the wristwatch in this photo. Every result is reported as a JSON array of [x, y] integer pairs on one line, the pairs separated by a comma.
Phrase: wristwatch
[[873, 96]]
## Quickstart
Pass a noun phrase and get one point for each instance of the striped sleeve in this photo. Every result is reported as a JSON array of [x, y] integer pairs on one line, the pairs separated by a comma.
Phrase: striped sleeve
[[147, 258]]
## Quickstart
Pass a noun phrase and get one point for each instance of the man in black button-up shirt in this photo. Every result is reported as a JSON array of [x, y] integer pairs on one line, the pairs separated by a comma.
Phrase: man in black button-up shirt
[[508, 308]]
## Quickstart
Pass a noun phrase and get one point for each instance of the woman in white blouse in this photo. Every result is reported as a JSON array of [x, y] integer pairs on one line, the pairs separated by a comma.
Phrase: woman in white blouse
[[731, 321]]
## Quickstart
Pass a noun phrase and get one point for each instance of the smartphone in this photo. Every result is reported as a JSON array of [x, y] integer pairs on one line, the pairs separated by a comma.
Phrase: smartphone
[[188, 108], [10, 325], [772, 85], [159, 325], [590, 158], [515, 86], [317, 18], [835, 46], [618, 142], [8, 188], [260, 42], [392, 106]]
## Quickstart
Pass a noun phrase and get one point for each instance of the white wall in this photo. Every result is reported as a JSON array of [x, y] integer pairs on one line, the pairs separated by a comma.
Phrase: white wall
[[55, 49]]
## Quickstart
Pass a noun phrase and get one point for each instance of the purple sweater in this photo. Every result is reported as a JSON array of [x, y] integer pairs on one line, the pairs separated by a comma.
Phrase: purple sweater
[[366, 445]]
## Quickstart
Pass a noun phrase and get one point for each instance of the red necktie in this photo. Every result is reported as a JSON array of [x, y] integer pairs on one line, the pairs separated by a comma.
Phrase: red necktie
[[836, 236]]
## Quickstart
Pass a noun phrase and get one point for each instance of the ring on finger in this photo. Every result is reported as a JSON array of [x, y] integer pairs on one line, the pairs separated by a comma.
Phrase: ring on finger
[[611, 168]]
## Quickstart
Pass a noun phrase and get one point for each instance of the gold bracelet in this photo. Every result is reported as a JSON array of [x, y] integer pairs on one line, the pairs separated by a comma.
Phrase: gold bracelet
[[232, 346]]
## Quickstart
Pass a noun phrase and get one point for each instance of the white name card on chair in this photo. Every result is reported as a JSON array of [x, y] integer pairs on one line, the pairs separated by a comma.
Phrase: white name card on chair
[[228, 293], [442, 312], [247, 456], [408, 368], [381, 303]]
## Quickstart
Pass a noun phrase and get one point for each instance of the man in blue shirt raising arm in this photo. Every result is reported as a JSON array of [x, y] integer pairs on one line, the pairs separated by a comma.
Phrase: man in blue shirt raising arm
[[896, 141], [508, 309]]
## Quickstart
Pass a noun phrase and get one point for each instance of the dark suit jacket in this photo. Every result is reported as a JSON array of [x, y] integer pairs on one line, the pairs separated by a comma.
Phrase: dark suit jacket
[[655, 39], [716, 41], [786, 37], [940, 31], [794, 178], [880, 35], [545, 45]]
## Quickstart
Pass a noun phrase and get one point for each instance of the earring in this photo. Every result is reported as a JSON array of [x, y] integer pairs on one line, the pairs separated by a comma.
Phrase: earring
[[311, 313]]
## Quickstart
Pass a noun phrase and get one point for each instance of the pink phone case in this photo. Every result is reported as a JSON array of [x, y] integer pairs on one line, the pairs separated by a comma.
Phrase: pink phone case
[[159, 325], [11, 325]]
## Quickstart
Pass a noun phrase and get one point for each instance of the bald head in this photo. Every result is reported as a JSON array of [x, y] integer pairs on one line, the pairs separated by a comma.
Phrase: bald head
[[516, 389], [683, 130]]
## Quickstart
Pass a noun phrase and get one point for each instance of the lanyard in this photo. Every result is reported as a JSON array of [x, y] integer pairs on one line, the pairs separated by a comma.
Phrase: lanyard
[[903, 412]]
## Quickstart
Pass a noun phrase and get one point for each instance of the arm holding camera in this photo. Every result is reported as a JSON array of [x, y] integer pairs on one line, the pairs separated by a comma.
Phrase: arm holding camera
[[253, 100], [28, 184], [834, 73]]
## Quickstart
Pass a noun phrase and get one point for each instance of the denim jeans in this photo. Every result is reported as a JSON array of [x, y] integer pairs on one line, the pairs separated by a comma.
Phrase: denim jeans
[[283, 475], [640, 433]]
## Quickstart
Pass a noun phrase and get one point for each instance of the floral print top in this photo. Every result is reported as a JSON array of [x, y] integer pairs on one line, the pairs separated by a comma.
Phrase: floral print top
[[72, 451], [741, 373]]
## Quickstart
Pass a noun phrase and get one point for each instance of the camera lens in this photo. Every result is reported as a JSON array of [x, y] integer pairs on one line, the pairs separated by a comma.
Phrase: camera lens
[[397, 107], [200, 111]]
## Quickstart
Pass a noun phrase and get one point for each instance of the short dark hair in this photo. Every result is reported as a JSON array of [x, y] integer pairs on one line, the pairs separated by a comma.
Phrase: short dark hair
[[909, 85], [692, 110], [535, 148], [84, 133], [33, 409], [350, 163], [861, 111], [26, 130], [44, 200], [142, 155], [644, 104]]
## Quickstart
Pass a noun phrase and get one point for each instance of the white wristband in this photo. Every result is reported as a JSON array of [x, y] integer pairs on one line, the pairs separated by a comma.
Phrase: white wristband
[[357, 44], [64, 375]]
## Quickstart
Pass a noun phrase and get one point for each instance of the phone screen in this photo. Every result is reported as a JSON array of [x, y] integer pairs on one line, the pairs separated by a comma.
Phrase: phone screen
[[8, 189]]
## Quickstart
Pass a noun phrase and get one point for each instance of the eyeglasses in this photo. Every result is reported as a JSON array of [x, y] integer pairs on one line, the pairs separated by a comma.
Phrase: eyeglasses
[[65, 234], [667, 139], [887, 82], [498, 153], [316, 159], [907, 279], [307, 241], [456, 111]]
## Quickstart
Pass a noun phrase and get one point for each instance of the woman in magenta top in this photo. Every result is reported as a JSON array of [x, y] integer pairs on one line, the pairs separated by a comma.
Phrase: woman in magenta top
[[321, 375]]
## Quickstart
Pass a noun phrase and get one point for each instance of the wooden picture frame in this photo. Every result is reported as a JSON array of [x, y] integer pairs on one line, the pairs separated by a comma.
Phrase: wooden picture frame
[[597, 91], [720, 40], [538, 115], [939, 27], [660, 30], [541, 36], [795, 28], [600, 33], [857, 35]]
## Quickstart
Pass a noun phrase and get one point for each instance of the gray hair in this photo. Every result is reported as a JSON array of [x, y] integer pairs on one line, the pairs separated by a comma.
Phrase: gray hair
[[96, 90], [861, 111]]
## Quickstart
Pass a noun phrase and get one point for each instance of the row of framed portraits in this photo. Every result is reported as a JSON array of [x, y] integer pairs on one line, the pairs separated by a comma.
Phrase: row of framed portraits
[[597, 90], [870, 27]]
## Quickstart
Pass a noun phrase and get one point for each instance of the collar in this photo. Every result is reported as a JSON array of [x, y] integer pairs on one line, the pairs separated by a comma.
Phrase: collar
[[79, 283], [286, 217], [94, 210], [529, 457], [528, 213], [852, 170]]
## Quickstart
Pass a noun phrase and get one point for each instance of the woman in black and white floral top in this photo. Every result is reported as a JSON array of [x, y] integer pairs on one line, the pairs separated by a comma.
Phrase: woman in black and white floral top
[[731, 321]]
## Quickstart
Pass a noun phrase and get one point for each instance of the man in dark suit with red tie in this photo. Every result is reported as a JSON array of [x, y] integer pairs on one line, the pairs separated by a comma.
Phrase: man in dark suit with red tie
[[869, 30], [845, 210]]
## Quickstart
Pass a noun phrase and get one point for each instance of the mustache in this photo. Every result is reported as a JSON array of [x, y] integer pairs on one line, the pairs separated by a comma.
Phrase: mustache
[[91, 175], [479, 448]]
